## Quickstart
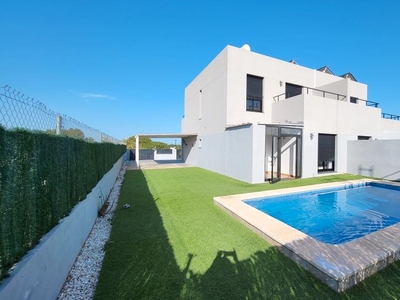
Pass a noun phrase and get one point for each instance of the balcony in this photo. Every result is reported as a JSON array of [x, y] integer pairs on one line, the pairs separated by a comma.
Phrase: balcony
[[323, 94], [312, 91]]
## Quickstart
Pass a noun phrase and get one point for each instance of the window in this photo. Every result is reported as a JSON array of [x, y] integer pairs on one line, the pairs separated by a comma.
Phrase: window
[[353, 100], [326, 152], [293, 90], [254, 93], [363, 138]]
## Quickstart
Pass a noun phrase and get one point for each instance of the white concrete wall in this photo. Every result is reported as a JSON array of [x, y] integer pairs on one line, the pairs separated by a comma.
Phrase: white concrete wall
[[238, 156], [375, 158], [288, 111], [347, 87], [322, 78], [238, 153], [341, 153], [339, 117], [340, 86], [258, 157], [212, 151], [171, 156], [288, 156], [357, 89], [389, 129], [190, 150], [42, 272], [310, 154], [205, 99]]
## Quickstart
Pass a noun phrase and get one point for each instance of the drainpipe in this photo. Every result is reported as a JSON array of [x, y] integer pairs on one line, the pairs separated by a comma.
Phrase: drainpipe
[[137, 151]]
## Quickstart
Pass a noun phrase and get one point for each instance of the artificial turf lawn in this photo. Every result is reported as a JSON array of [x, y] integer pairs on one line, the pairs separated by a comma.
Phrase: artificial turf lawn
[[174, 243]]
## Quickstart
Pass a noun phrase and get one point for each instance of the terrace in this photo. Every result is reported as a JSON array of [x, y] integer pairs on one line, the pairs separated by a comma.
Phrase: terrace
[[329, 95]]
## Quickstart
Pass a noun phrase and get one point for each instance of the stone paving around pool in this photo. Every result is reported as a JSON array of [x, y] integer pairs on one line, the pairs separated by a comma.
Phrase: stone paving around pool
[[339, 266]]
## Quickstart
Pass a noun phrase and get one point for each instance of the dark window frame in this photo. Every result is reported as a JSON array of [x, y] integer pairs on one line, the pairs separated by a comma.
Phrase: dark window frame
[[254, 93]]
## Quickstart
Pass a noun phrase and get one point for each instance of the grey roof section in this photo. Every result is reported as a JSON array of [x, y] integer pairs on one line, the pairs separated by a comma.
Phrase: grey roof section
[[349, 75], [325, 69]]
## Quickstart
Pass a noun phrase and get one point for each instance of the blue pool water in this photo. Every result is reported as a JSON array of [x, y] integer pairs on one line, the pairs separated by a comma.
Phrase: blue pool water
[[337, 215]]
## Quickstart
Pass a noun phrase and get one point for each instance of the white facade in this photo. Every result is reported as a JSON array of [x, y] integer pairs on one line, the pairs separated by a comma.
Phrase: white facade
[[234, 141]]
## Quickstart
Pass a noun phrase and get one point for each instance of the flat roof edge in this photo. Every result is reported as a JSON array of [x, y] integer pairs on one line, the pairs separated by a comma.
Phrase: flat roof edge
[[166, 135]]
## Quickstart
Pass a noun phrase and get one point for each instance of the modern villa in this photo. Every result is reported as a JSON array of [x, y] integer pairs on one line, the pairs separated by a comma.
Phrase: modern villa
[[257, 118]]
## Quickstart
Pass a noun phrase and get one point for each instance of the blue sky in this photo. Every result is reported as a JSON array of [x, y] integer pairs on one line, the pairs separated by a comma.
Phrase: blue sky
[[122, 66]]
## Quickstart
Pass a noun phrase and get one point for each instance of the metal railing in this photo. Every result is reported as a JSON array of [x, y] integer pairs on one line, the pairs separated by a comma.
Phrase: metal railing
[[324, 94], [20, 111], [390, 116], [316, 92], [338, 97], [367, 102]]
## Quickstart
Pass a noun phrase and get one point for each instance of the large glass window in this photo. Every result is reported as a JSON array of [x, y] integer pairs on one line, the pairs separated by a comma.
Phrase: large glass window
[[326, 152], [254, 93]]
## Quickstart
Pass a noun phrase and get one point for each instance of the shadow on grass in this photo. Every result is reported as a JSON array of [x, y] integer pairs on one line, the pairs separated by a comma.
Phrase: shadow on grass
[[139, 261], [140, 264], [265, 275]]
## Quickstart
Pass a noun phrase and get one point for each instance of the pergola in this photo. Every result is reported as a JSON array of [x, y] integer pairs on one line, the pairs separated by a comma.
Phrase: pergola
[[158, 136]]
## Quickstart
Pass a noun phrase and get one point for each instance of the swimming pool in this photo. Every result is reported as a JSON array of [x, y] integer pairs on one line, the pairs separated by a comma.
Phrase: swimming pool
[[336, 215], [340, 265]]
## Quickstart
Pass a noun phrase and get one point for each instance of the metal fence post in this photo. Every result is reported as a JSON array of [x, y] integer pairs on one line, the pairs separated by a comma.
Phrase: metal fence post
[[58, 125]]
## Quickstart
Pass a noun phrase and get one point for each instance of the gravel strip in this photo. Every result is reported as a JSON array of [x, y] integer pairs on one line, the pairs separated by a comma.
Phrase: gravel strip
[[82, 279]]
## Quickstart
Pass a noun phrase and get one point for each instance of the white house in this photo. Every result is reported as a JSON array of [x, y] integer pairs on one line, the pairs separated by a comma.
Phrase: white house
[[258, 118]]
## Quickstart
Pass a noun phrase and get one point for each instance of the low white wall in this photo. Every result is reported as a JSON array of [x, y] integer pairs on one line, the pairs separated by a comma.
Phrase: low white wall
[[42, 272], [169, 156], [238, 152], [375, 158], [211, 152], [238, 156]]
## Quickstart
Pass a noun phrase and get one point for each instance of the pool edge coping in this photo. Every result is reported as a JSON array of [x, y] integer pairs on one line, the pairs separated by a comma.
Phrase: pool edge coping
[[330, 263]]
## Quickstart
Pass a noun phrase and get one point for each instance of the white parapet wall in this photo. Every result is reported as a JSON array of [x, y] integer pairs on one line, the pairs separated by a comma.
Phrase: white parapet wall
[[43, 270], [165, 154]]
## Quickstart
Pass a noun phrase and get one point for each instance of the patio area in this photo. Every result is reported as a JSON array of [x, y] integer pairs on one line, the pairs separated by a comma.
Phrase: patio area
[[156, 164]]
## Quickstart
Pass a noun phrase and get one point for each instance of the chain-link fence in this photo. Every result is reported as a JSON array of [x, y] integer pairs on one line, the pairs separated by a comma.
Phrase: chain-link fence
[[19, 111]]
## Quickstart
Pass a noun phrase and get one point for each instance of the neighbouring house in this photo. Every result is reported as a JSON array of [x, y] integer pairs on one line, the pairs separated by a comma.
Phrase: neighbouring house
[[258, 118]]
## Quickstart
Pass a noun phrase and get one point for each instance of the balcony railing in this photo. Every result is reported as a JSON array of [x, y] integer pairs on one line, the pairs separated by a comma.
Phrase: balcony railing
[[308, 90], [367, 102], [331, 95], [390, 116], [323, 94]]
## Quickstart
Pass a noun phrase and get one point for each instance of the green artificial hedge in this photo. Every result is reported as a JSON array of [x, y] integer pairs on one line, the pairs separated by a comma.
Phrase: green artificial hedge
[[42, 177]]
